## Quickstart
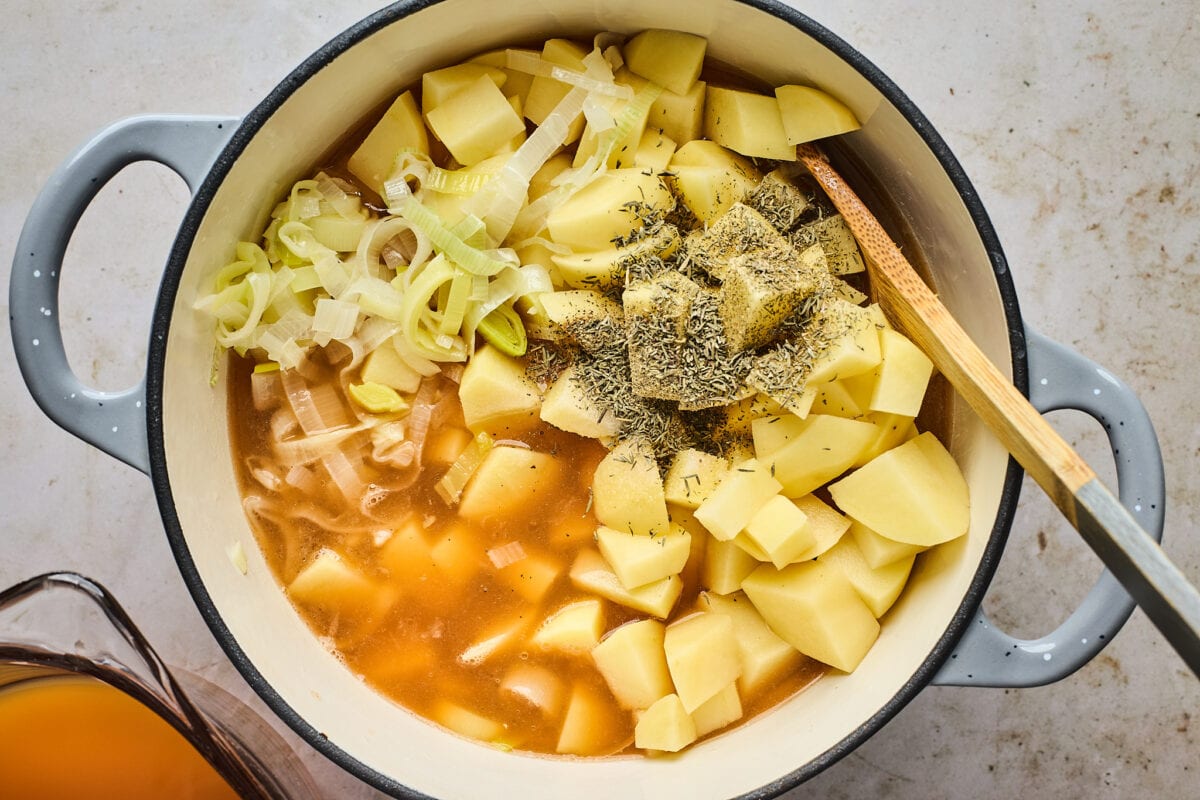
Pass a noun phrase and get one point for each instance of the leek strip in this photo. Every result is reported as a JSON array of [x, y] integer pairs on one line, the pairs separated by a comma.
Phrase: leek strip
[[590, 84], [416, 326], [455, 181], [451, 485], [305, 278], [456, 303], [469, 258]]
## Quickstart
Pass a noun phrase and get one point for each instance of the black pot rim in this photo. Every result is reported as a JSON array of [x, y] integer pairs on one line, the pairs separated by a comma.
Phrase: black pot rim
[[259, 116]]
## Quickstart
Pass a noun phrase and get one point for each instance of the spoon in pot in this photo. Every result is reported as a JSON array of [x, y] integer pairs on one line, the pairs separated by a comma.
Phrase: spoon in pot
[[1137, 561]]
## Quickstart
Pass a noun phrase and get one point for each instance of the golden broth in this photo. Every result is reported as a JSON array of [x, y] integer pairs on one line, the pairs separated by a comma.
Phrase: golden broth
[[64, 738]]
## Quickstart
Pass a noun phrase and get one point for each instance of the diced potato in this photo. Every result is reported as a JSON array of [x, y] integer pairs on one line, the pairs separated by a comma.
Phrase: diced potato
[[856, 349], [654, 150], [536, 685], [475, 122], [878, 588], [545, 92], [532, 576], [725, 566], [591, 573], [399, 128], [702, 657], [600, 213], [902, 376], [778, 198], [809, 114], [627, 492], [824, 447], [632, 661], [834, 237], [656, 318], [493, 640], [466, 722], [835, 399], [443, 447], [723, 708], [665, 726], [568, 407], [680, 116], [914, 493], [457, 555], [605, 269], [764, 656], [710, 179], [781, 530], [639, 560], [330, 583], [384, 365], [825, 524], [406, 555], [509, 480], [772, 433], [879, 551], [738, 231], [569, 311], [574, 628], [672, 59], [439, 85], [587, 726], [814, 608], [692, 477], [745, 490], [893, 430], [495, 393], [752, 548], [746, 123]]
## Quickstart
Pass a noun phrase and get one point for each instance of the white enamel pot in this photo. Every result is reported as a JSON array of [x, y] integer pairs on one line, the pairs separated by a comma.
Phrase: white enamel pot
[[173, 425]]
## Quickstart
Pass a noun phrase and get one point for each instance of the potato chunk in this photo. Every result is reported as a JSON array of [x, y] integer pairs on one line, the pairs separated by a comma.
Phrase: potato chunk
[[679, 116], [914, 493], [587, 725], [591, 573], [607, 209], [879, 551], [723, 708], [764, 655], [400, 127], [574, 628], [495, 393], [902, 376], [878, 588], [809, 114], [726, 564], [627, 492], [639, 560], [701, 656], [439, 85], [745, 490], [710, 179], [761, 289], [692, 477], [672, 59], [823, 447], [475, 123], [746, 123], [568, 407], [781, 530], [814, 608], [509, 479], [665, 726], [632, 661]]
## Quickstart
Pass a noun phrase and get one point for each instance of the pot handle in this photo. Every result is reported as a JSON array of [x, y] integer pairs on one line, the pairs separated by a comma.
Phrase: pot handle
[[114, 422], [1062, 378]]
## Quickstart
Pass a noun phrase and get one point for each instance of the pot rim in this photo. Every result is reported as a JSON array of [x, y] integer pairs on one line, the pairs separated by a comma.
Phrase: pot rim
[[160, 326]]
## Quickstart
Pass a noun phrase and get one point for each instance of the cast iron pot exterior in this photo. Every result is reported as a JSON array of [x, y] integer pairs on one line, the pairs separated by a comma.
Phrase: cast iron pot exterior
[[173, 427]]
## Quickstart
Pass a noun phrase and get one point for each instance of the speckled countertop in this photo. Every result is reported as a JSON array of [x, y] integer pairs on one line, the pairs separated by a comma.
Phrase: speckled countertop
[[1079, 124]]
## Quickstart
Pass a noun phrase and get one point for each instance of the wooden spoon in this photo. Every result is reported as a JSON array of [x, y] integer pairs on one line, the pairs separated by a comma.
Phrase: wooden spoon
[[1137, 561]]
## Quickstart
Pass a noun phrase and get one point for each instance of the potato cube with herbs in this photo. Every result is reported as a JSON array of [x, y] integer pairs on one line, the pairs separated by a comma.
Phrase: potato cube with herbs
[[476, 122], [701, 656], [852, 342], [656, 317], [782, 203], [605, 269], [833, 235], [710, 179], [672, 59], [607, 210], [761, 289], [569, 407], [679, 116], [738, 231], [814, 608], [495, 393], [692, 477], [824, 447], [639, 560], [627, 492], [633, 663], [746, 122], [746, 489]]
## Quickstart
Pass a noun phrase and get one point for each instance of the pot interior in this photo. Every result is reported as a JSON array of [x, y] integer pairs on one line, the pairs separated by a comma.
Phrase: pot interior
[[284, 139]]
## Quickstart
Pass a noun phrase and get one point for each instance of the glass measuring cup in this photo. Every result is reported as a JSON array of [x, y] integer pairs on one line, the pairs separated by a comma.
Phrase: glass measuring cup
[[63, 624]]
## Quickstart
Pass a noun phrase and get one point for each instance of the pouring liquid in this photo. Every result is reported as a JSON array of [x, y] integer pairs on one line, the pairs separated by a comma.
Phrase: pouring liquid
[[74, 737]]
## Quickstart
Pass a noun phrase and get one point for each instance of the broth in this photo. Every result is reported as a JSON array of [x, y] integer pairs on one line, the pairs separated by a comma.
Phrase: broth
[[63, 738]]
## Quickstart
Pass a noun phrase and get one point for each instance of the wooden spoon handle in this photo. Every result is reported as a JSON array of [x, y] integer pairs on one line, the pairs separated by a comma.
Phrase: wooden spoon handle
[[1157, 585]]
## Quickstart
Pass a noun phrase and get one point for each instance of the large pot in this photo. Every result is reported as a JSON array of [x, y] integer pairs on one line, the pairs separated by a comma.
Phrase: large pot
[[173, 426]]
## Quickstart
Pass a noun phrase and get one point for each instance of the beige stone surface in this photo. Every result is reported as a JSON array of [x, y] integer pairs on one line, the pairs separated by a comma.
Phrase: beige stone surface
[[1079, 124]]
